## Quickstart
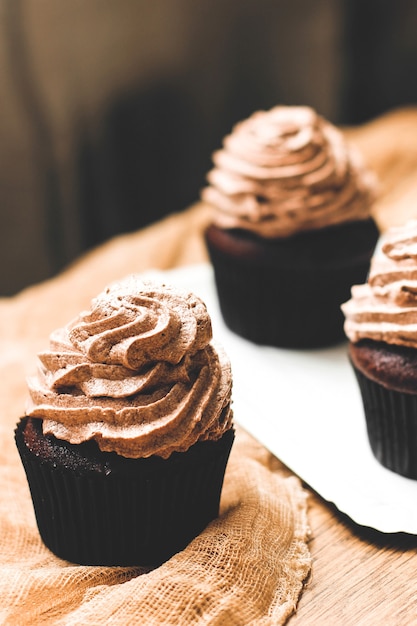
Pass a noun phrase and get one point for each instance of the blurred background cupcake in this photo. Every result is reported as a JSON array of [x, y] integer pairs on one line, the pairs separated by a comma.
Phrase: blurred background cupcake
[[129, 428], [291, 229], [381, 324]]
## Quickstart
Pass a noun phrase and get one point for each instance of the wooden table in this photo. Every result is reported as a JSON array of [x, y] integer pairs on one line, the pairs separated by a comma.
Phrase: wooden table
[[359, 576]]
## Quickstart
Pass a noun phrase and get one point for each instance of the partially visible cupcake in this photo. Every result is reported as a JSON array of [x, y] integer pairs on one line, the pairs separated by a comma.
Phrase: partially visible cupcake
[[129, 428], [291, 229], [381, 324]]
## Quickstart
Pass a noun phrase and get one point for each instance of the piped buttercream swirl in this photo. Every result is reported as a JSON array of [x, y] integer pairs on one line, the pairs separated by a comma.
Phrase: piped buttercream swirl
[[285, 171], [385, 307], [138, 372]]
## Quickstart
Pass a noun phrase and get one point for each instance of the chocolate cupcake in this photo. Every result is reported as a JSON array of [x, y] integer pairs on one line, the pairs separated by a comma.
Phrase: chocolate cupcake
[[291, 228], [381, 324], [129, 428]]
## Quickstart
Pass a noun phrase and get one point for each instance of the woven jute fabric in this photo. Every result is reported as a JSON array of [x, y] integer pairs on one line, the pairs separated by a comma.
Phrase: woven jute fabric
[[247, 567]]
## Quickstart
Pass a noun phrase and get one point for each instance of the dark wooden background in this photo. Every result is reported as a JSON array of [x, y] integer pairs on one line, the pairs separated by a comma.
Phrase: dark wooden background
[[110, 109]]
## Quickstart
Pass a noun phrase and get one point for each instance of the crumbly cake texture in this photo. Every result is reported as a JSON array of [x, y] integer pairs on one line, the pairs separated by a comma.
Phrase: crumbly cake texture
[[287, 292], [394, 367]]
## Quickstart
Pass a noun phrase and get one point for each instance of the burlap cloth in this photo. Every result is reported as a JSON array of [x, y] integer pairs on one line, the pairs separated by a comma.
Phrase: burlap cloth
[[248, 566]]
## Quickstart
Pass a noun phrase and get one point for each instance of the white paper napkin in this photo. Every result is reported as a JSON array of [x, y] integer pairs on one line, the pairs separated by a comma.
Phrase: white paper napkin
[[305, 407]]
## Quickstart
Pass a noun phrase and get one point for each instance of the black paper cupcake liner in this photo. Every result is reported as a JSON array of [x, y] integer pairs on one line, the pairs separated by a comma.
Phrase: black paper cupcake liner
[[125, 512], [271, 297], [391, 421]]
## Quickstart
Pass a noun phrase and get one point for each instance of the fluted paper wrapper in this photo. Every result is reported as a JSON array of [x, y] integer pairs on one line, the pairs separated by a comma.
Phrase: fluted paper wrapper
[[141, 513], [277, 304], [391, 421]]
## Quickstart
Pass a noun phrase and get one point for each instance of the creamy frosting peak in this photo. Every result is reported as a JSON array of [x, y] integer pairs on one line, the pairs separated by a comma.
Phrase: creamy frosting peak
[[385, 308], [138, 372], [130, 327], [287, 170]]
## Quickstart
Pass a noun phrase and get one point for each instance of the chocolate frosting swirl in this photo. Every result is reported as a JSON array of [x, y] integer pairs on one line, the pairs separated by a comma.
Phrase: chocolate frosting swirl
[[287, 170], [139, 373], [385, 308]]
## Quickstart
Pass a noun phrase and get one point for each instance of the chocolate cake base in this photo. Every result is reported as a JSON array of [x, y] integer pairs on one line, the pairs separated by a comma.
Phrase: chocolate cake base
[[287, 292], [99, 508], [387, 378]]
